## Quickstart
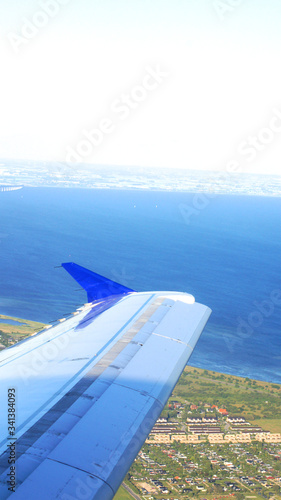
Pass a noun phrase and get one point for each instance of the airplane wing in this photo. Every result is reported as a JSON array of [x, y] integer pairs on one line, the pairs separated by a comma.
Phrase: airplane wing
[[79, 399]]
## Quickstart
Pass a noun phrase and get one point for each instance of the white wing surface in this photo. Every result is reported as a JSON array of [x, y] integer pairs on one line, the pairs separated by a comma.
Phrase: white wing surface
[[87, 392]]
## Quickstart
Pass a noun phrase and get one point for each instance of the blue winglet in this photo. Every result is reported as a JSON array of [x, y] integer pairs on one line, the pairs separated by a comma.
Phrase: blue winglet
[[96, 286]]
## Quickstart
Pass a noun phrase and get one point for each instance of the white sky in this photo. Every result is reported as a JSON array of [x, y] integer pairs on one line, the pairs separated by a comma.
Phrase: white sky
[[223, 81]]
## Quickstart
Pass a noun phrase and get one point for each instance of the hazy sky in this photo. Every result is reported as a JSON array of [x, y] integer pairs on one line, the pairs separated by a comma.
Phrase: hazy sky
[[178, 83]]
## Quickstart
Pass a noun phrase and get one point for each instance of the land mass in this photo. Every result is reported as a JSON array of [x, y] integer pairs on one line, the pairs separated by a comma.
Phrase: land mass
[[218, 435], [12, 330], [59, 174]]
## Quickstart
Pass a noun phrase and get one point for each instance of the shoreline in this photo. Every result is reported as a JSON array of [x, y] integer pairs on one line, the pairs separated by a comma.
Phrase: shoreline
[[155, 189], [27, 328]]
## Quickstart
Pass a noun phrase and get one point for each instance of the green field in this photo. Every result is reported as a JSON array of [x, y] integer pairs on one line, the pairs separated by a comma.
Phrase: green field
[[251, 399], [10, 334], [122, 494], [273, 425]]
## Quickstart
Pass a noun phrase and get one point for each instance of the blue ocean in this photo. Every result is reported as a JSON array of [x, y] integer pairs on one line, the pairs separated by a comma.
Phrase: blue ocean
[[226, 251]]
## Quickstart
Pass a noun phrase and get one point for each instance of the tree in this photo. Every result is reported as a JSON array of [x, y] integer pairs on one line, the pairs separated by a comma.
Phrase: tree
[[239, 496]]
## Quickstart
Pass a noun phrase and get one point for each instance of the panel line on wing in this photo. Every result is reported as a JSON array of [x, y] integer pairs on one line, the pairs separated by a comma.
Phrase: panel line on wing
[[64, 405], [34, 348], [171, 338], [82, 470], [143, 393], [83, 320], [47, 403]]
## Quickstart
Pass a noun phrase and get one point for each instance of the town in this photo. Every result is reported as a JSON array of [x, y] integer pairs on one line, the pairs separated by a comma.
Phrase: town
[[222, 444], [219, 436]]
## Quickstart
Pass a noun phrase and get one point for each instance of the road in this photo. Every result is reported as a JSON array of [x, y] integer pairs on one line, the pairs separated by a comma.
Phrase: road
[[132, 493]]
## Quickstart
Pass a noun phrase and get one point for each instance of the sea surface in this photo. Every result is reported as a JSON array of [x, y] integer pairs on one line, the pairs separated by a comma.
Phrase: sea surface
[[225, 250]]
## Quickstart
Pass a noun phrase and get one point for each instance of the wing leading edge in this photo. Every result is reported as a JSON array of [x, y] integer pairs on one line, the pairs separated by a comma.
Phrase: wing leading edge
[[89, 390]]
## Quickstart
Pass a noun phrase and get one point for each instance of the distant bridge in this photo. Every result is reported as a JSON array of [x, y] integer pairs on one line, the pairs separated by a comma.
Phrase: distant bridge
[[10, 188]]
